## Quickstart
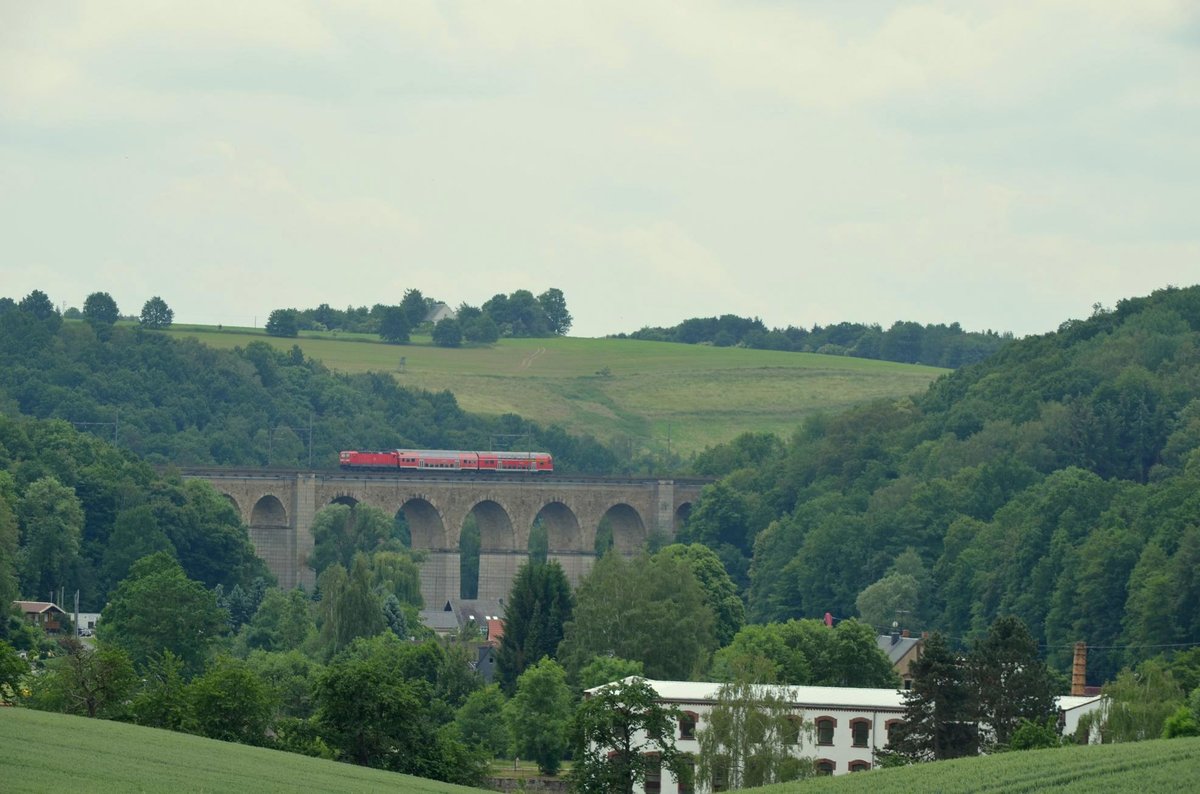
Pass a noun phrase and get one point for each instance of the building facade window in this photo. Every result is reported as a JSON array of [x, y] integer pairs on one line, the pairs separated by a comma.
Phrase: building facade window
[[860, 732], [859, 766], [687, 725], [825, 726], [653, 782], [687, 774], [720, 773], [825, 766], [891, 726], [792, 730]]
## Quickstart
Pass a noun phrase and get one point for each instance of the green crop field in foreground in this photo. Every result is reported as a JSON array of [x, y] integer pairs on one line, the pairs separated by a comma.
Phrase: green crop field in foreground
[[53, 752], [1163, 765], [42, 752], [617, 389]]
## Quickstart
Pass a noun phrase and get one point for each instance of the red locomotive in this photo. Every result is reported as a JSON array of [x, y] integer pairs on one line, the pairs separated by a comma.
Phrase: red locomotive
[[447, 460]]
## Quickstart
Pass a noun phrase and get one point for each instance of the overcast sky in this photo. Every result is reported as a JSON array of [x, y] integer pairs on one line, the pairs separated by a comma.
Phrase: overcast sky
[[1001, 164]]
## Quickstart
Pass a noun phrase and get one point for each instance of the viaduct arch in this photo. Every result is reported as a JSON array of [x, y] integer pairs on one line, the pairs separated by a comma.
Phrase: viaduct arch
[[278, 508]]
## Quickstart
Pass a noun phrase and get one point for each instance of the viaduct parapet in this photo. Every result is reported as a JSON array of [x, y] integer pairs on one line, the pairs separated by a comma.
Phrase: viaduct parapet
[[279, 507]]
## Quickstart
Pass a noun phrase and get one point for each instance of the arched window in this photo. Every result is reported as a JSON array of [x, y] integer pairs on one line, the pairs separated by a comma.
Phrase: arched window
[[687, 725], [890, 726], [825, 766], [859, 766], [860, 732], [825, 726]]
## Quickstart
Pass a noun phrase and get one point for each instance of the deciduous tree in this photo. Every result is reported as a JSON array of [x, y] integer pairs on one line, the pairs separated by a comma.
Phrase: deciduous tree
[[10, 536], [539, 714], [39, 305], [554, 305], [720, 593], [349, 606], [158, 608], [1137, 705], [162, 700], [93, 682], [606, 669], [12, 669], [447, 333], [394, 326], [809, 652], [372, 711], [340, 531], [480, 721], [415, 307], [650, 610], [51, 520], [283, 322], [619, 733], [229, 702], [157, 314], [482, 329], [751, 734], [100, 310]]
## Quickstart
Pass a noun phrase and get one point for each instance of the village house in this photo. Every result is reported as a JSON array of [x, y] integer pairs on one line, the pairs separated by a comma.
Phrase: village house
[[901, 650], [483, 615], [848, 723], [46, 614]]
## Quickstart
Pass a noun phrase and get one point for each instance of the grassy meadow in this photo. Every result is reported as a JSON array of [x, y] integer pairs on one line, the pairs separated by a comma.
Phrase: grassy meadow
[[42, 752], [55, 752], [619, 390], [1162, 765]]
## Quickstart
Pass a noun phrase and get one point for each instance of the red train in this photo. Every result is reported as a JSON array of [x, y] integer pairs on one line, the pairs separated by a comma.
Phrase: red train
[[447, 460]]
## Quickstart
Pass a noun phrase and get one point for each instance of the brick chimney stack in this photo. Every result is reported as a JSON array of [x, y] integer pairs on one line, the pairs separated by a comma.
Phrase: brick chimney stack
[[1079, 669]]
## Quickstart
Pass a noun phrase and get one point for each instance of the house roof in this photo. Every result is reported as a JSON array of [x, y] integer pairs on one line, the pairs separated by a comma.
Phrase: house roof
[[896, 650], [823, 696], [439, 620], [439, 311], [828, 697], [38, 607], [480, 610], [1071, 702]]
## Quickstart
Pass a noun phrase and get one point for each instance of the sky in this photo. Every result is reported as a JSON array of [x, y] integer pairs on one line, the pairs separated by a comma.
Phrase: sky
[[1001, 165]]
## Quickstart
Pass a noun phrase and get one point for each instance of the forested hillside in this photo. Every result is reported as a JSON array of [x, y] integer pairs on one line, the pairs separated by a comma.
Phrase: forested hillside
[[181, 402], [1058, 480], [905, 342], [76, 513]]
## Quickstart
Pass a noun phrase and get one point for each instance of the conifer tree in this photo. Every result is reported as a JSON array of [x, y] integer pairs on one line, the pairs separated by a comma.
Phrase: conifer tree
[[939, 710], [1010, 680]]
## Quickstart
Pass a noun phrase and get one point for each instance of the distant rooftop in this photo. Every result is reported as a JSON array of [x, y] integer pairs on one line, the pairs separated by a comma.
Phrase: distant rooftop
[[896, 645]]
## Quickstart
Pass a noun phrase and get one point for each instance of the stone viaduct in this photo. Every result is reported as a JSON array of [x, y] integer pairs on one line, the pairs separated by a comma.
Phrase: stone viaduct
[[279, 507]]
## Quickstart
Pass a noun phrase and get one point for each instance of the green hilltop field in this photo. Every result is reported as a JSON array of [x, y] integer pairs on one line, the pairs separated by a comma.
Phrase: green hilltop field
[[619, 390]]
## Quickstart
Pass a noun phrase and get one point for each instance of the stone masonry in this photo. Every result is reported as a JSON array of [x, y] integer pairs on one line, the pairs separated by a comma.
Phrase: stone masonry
[[279, 507]]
